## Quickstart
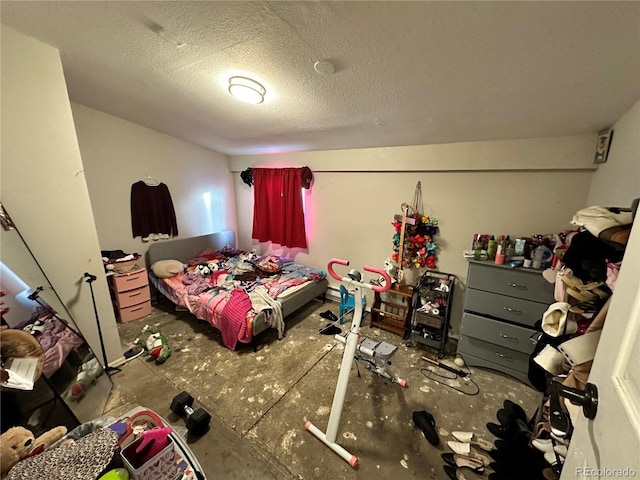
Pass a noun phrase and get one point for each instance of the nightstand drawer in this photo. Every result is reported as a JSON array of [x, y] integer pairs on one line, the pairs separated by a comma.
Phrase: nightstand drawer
[[495, 354], [498, 333], [134, 312], [519, 283], [512, 309], [133, 297], [129, 281]]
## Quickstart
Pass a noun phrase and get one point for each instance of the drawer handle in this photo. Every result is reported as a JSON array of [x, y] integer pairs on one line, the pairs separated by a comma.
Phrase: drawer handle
[[516, 285], [136, 309], [512, 310], [502, 355], [131, 279], [135, 294], [507, 337]]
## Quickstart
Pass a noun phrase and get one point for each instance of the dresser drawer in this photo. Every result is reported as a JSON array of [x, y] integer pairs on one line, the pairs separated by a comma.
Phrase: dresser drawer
[[134, 312], [519, 283], [128, 281], [473, 361], [523, 312], [133, 297], [500, 356], [498, 333]]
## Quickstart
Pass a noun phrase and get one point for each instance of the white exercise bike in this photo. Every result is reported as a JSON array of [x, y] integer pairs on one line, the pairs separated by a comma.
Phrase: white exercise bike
[[376, 354]]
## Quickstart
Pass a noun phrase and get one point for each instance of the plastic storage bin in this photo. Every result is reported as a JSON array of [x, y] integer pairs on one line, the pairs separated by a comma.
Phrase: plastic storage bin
[[163, 466]]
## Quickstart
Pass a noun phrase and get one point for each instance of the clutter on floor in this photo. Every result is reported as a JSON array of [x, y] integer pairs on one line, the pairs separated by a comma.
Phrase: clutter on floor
[[377, 413]]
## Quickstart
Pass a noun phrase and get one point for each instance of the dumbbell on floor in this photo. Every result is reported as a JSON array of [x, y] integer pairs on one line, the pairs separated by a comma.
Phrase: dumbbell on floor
[[198, 420]]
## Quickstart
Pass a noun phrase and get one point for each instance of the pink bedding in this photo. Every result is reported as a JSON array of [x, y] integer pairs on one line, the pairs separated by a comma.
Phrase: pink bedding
[[221, 295]]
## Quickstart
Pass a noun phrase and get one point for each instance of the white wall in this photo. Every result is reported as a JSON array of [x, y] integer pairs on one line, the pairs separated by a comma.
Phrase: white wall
[[617, 181], [519, 188], [43, 186], [117, 153]]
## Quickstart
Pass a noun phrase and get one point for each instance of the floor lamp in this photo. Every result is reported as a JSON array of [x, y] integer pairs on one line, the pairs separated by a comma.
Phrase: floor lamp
[[90, 279]]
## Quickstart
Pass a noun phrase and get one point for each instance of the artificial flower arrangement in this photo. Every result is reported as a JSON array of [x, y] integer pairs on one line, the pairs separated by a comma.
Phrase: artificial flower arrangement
[[419, 248]]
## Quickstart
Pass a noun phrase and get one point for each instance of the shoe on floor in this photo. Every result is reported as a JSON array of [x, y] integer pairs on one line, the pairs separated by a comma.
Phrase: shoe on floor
[[500, 431], [450, 471], [515, 409], [552, 458], [463, 448], [505, 417], [515, 431], [548, 445], [330, 329], [329, 315], [465, 473], [425, 422], [468, 437], [458, 461]]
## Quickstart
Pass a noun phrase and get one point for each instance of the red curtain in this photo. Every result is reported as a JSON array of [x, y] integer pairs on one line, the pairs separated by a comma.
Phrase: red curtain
[[278, 216]]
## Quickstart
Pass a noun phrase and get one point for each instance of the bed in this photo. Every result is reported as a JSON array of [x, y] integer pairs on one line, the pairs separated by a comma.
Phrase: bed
[[55, 336], [241, 294]]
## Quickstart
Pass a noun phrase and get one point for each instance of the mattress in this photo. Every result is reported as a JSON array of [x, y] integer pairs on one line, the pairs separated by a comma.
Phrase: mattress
[[238, 292]]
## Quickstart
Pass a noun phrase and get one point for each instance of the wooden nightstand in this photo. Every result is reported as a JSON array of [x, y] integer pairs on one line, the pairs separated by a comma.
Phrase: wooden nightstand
[[130, 294]]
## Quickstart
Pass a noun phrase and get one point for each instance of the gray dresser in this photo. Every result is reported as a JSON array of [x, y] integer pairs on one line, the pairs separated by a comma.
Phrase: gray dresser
[[502, 305]]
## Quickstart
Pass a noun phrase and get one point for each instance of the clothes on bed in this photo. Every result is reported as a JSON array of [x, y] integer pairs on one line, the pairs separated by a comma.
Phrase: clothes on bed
[[152, 211], [273, 308], [208, 299], [54, 335]]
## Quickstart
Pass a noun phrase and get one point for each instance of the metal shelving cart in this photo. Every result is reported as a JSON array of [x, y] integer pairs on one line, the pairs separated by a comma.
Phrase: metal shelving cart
[[433, 295]]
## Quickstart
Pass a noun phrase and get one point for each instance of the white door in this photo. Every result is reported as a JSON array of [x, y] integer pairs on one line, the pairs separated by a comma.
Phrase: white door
[[609, 445]]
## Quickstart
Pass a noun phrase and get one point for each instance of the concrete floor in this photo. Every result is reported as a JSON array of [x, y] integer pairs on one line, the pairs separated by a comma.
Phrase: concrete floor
[[260, 400]]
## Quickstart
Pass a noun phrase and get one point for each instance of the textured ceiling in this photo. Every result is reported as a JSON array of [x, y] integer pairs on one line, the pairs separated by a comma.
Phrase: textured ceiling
[[407, 73]]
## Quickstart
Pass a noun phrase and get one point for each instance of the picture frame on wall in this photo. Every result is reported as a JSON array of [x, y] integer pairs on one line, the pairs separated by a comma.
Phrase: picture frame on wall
[[603, 145]]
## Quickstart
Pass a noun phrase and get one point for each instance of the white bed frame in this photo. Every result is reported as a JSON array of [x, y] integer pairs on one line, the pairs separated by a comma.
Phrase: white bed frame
[[185, 249]]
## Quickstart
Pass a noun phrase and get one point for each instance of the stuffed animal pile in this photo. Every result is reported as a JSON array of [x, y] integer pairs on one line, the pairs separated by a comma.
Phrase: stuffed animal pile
[[18, 443], [87, 374], [155, 343]]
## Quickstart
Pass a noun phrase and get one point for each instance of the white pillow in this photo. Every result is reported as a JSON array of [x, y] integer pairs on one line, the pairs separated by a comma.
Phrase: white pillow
[[167, 268]]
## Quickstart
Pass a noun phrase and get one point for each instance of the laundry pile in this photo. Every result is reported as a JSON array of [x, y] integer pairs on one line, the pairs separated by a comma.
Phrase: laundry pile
[[119, 261]]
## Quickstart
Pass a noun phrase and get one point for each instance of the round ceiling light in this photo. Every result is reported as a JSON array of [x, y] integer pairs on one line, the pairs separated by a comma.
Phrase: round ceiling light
[[246, 90]]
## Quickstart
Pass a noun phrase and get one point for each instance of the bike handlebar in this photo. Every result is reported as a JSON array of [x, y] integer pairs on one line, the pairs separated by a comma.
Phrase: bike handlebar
[[375, 288]]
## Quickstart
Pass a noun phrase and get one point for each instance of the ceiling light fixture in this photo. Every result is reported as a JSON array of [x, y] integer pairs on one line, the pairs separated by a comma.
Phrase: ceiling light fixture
[[246, 90]]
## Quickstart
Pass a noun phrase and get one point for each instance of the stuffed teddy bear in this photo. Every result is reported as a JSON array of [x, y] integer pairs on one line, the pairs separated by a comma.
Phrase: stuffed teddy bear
[[155, 343], [18, 443], [87, 374]]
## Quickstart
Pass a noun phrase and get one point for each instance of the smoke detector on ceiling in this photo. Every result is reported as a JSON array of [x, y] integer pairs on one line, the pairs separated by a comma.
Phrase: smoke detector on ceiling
[[324, 67]]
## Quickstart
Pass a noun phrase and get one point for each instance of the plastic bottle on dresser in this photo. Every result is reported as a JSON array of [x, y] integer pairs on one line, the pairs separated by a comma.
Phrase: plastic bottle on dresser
[[537, 258], [477, 254], [508, 249], [500, 252], [492, 248]]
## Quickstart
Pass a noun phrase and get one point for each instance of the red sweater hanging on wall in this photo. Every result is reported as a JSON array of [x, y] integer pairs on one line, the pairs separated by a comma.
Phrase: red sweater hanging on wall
[[278, 215]]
